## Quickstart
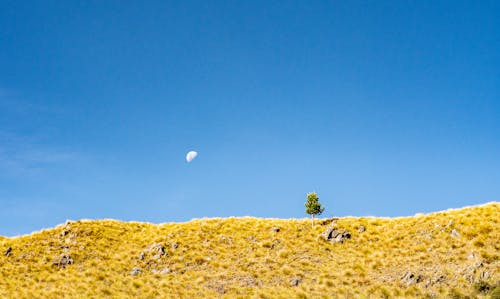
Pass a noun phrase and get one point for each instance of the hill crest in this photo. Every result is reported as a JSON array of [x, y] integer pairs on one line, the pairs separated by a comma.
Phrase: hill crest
[[436, 254]]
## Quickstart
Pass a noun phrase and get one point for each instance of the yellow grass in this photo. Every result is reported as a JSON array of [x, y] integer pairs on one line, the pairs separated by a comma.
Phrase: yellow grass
[[246, 258]]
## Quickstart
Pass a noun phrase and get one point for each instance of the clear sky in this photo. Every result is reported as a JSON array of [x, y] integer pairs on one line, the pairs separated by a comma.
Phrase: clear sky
[[382, 108]]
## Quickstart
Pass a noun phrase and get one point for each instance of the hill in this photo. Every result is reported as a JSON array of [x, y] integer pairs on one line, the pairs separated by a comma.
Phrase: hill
[[452, 253]]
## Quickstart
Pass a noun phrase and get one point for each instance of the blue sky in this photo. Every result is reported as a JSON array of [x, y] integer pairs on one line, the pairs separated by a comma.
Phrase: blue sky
[[382, 108]]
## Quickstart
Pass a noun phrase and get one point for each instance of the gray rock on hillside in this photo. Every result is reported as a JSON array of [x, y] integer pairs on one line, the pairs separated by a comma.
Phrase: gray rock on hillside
[[158, 250], [135, 271], [295, 281], [63, 261], [439, 278], [165, 270], [8, 251], [175, 245], [335, 235], [455, 233], [327, 234], [410, 278]]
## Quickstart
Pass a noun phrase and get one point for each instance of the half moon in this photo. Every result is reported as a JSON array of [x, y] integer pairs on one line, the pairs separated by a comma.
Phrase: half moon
[[191, 155]]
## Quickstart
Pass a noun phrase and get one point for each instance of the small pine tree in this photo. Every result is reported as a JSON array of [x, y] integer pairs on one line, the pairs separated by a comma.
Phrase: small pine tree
[[313, 207]]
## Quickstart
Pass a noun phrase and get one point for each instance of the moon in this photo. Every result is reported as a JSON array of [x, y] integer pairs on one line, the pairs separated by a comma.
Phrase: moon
[[191, 155]]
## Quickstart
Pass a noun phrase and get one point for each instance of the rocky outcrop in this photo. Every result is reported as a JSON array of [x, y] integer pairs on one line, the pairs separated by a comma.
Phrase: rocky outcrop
[[335, 235], [63, 261], [410, 278], [157, 249]]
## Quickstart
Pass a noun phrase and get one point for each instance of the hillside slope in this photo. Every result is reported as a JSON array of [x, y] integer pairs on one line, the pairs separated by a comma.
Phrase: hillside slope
[[442, 254]]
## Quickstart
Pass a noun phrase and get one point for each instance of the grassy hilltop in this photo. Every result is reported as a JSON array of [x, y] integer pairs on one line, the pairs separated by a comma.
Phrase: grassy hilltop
[[446, 254]]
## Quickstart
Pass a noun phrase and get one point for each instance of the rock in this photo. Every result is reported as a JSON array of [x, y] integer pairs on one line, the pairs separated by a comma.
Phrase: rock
[[329, 234], [295, 281], [8, 251], [158, 250], [410, 278], [162, 271], [439, 279], [336, 235], [275, 243], [344, 235], [362, 229], [454, 233], [63, 261], [428, 283], [165, 271], [141, 256], [276, 229], [175, 245], [136, 271], [485, 275], [64, 233]]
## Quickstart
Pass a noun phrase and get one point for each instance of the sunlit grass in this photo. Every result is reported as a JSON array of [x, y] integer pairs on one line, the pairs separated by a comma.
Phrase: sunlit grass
[[258, 258]]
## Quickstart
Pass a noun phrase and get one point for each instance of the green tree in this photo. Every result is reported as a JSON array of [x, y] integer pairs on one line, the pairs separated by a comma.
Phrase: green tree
[[313, 207]]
